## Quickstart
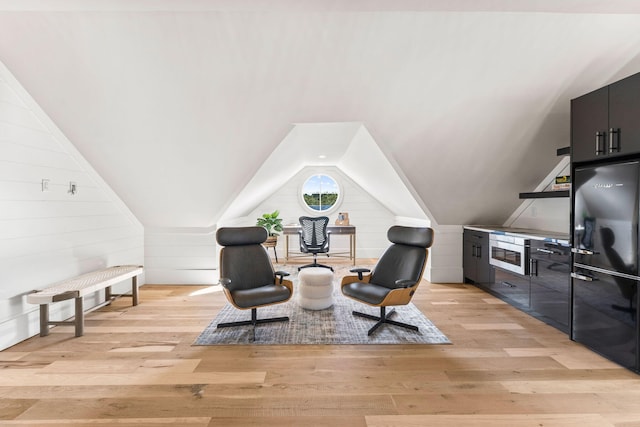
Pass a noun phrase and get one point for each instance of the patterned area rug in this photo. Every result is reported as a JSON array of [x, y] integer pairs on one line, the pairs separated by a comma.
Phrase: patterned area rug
[[334, 325]]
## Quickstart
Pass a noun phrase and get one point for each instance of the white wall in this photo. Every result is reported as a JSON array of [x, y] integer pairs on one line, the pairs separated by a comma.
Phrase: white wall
[[445, 256], [180, 256], [369, 216], [551, 214], [50, 236]]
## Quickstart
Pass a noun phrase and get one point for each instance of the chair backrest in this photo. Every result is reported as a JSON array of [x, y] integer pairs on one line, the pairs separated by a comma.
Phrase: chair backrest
[[314, 233], [243, 259], [406, 258]]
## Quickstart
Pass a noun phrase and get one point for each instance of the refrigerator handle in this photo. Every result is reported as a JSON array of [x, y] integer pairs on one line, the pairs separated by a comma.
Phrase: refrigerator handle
[[583, 251], [533, 267], [583, 277]]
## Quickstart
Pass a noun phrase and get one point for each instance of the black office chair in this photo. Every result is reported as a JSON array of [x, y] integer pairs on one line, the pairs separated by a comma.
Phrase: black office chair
[[395, 277], [314, 238], [247, 275]]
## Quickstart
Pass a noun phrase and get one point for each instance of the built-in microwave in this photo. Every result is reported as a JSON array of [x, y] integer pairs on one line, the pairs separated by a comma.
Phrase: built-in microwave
[[510, 253]]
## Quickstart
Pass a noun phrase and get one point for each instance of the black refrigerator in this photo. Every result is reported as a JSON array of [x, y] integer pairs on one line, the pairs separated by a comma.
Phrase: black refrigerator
[[605, 280]]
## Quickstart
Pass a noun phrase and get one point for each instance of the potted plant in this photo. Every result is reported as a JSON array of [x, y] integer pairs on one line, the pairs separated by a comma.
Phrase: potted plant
[[272, 223]]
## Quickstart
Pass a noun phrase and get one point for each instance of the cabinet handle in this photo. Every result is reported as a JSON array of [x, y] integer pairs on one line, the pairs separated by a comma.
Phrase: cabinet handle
[[547, 251], [599, 146], [533, 267], [614, 140], [479, 251]]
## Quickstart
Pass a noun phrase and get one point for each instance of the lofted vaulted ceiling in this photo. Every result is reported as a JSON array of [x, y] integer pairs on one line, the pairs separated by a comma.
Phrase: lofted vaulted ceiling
[[178, 103]]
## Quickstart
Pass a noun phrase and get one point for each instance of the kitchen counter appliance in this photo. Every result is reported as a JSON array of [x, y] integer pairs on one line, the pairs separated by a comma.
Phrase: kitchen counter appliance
[[510, 257], [510, 253]]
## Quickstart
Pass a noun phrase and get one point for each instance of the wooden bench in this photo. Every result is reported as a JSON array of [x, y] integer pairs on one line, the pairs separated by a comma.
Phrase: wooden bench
[[80, 286]]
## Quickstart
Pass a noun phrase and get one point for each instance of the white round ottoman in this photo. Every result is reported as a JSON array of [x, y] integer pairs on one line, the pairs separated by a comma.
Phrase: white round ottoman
[[315, 288]]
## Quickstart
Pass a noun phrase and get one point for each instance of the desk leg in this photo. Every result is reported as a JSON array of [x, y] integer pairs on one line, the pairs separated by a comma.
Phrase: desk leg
[[353, 248], [286, 247]]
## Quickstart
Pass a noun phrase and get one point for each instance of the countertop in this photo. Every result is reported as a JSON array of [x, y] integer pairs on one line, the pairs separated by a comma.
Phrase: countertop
[[547, 236]]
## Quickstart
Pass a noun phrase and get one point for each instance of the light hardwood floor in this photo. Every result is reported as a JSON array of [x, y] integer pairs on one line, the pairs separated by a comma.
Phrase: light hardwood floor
[[135, 366]]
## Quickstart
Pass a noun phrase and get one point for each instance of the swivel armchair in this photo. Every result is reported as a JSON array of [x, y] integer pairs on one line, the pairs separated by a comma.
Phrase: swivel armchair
[[247, 276], [395, 277], [314, 238]]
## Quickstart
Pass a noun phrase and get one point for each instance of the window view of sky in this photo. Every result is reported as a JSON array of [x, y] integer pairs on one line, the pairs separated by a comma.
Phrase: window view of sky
[[320, 192]]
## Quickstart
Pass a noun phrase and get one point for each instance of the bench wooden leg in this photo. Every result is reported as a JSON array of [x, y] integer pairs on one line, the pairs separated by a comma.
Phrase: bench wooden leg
[[108, 295], [134, 290], [44, 320], [79, 320]]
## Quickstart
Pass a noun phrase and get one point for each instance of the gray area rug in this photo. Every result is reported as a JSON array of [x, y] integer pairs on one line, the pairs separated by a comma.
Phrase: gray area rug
[[334, 325]]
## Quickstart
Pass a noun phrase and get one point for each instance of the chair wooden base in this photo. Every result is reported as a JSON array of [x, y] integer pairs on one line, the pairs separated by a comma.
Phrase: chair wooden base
[[384, 318]]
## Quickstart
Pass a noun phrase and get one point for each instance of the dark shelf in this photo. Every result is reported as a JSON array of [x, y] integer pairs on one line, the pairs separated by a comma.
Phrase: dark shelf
[[545, 194], [564, 151]]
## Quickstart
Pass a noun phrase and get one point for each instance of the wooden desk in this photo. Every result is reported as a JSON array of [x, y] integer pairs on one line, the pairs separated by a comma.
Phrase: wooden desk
[[349, 230]]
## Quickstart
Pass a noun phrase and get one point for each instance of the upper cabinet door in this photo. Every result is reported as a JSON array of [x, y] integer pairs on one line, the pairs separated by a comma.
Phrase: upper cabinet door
[[590, 125], [624, 117]]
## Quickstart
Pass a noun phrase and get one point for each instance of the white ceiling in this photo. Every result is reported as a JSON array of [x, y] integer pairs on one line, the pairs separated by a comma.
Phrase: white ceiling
[[178, 103]]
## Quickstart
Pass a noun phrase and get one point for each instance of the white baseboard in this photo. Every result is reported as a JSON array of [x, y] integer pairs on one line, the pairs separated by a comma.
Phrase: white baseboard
[[444, 275], [159, 276]]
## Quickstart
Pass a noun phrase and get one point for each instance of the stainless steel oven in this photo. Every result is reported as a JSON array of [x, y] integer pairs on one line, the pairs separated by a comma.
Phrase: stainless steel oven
[[509, 253]]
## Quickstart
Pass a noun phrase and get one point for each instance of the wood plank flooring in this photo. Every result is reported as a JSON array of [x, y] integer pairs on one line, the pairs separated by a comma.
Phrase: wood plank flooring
[[135, 366]]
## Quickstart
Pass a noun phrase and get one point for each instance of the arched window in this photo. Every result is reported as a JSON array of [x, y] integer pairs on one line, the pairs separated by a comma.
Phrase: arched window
[[320, 193]]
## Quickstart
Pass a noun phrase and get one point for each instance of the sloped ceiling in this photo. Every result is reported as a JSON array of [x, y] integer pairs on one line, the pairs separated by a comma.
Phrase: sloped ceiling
[[178, 103], [350, 147]]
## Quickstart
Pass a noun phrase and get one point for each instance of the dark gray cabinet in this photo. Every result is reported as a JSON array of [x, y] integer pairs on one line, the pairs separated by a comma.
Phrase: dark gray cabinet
[[543, 293], [550, 283], [475, 261], [606, 122], [512, 288]]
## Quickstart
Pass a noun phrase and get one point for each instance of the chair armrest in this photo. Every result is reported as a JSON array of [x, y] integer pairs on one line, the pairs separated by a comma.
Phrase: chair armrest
[[405, 283], [359, 271], [224, 282], [282, 275]]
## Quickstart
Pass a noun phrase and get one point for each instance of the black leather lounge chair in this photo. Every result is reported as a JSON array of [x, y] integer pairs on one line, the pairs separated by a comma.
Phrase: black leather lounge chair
[[247, 275], [395, 277]]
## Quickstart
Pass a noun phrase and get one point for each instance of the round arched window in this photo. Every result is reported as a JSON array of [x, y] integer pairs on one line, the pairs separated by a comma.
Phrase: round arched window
[[320, 193]]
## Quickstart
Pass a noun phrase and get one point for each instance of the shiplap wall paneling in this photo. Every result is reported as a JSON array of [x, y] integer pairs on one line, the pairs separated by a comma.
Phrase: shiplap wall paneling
[[181, 256], [53, 235]]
